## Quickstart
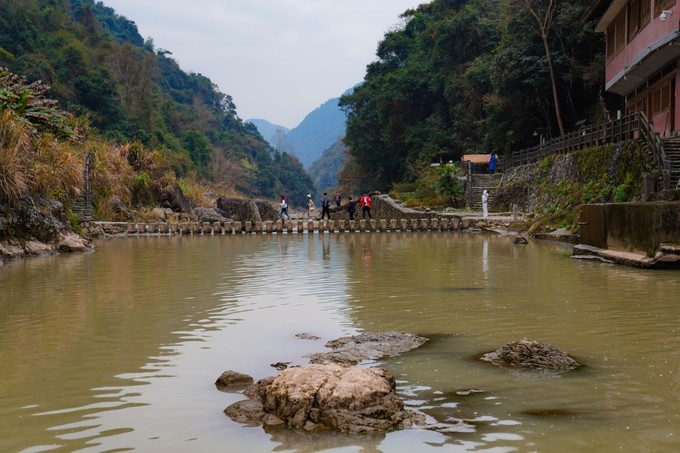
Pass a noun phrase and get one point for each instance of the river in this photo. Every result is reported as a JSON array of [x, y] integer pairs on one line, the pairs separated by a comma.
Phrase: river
[[119, 349]]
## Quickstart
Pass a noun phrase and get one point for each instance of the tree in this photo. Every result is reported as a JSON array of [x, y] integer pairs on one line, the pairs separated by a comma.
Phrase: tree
[[541, 14], [448, 185]]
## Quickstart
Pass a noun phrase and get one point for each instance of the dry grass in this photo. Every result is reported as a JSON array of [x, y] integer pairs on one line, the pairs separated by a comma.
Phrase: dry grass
[[15, 147], [57, 172], [111, 178], [36, 165], [195, 192]]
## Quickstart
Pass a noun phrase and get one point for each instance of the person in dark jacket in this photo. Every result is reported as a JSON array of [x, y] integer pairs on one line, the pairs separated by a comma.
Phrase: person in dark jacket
[[325, 206], [351, 208]]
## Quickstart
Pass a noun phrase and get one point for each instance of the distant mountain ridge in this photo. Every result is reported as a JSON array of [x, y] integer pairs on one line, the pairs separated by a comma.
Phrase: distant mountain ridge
[[317, 132], [268, 130]]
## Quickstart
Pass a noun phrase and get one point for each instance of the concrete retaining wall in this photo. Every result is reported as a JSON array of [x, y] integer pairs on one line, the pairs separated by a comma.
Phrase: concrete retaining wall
[[630, 227]]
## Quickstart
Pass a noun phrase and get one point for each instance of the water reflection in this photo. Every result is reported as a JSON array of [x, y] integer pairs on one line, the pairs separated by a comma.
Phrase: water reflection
[[119, 349]]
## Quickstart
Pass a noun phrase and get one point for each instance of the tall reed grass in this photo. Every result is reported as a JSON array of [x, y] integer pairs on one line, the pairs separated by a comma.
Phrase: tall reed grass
[[15, 146], [36, 165]]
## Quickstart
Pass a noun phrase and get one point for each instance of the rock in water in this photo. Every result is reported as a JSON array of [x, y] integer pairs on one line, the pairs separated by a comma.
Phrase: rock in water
[[230, 381], [368, 345], [321, 396], [531, 355]]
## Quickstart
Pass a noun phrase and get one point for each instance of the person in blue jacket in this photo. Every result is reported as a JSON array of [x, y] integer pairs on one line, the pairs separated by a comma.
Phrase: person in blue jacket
[[493, 160]]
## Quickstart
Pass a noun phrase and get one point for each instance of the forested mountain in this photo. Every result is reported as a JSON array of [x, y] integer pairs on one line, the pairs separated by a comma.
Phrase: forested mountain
[[273, 133], [99, 67], [318, 131], [471, 76], [325, 170]]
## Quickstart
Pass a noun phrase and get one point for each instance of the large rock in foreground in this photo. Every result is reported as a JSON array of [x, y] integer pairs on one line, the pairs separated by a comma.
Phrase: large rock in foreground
[[531, 355], [349, 399]]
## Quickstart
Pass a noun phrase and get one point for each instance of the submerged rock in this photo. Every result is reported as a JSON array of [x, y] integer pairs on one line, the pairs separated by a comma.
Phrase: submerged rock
[[321, 396], [369, 345], [306, 336], [230, 381], [520, 240], [531, 355]]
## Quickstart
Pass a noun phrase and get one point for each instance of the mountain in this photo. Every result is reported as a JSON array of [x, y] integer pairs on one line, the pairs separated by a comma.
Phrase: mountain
[[269, 131], [318, 131], [100, 68], [324, 171]]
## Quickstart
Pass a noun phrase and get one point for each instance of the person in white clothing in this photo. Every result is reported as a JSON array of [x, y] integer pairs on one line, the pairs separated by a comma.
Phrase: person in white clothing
[[485, 198], [284, 208]]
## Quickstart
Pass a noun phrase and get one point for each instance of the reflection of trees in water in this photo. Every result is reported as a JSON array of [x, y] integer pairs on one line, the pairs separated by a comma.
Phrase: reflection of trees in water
[[301, 441]]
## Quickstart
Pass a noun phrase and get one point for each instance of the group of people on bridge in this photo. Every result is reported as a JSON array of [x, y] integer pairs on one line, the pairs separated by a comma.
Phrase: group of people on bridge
[[364, 202]]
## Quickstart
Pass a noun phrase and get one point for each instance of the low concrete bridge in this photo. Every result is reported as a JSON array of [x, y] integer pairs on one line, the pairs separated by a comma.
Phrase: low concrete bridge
[[97, 229]]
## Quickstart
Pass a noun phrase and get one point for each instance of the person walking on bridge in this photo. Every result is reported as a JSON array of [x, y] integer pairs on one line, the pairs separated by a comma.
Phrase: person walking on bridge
[[284, 208], [365, 202], [351, 208], [310, 205], [325, 206]]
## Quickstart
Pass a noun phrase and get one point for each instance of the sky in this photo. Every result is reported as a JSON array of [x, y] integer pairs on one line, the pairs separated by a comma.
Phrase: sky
[[278, 59]]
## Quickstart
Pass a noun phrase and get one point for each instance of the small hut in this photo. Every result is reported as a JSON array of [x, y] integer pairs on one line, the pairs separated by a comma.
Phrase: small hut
[[475, 163]]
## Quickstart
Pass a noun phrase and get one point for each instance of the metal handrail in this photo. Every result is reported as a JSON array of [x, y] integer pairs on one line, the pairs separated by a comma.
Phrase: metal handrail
[[629, 127], [618, 130], [654, 143]]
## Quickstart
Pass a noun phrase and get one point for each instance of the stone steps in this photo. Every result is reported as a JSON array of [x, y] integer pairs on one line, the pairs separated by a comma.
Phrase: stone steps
[[481, 182], [83, 209]]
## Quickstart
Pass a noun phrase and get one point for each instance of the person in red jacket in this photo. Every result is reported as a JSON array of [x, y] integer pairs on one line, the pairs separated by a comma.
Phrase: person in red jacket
[[365, 202]]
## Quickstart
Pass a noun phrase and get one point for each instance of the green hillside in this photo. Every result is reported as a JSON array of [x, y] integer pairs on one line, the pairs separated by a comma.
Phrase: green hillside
[[471, 76], [99, 68]]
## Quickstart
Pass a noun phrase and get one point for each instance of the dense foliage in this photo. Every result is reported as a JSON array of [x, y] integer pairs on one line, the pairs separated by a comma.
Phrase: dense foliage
[[99, 67], [466, 76]]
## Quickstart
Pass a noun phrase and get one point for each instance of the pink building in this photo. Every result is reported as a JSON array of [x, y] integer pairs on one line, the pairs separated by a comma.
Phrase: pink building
[[643, 47]]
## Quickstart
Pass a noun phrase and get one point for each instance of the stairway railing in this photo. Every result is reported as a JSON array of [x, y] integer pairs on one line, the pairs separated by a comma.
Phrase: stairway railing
[[655, 145], [629, 127]]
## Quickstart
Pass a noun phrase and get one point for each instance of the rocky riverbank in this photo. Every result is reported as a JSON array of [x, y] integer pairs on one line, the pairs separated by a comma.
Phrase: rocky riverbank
[[37, 227]]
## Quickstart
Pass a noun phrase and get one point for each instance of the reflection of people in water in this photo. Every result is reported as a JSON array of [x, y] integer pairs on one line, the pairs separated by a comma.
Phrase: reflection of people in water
[[366, 261], [325, 247]]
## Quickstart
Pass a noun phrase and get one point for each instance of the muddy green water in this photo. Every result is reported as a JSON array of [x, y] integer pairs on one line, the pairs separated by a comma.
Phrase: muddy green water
[[118, 350]]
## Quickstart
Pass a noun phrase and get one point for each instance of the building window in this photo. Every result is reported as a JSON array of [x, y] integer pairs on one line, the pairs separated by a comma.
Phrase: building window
[[616, 35], [633, 19], [639, 13], [645, 12], [660, 5], [653, 98]]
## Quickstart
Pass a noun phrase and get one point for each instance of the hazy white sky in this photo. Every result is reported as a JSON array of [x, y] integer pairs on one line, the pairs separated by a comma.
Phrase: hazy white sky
[[278, 59]]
